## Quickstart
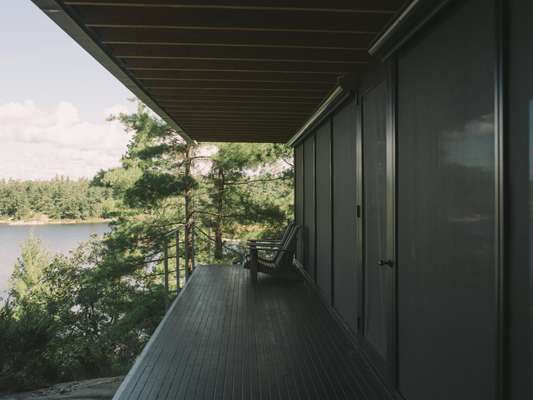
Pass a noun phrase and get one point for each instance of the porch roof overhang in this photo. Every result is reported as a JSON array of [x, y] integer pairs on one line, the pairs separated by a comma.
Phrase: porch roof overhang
[[229, 70]]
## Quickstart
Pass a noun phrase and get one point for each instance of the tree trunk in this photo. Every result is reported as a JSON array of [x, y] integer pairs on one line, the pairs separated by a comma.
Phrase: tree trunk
[[219, 204]]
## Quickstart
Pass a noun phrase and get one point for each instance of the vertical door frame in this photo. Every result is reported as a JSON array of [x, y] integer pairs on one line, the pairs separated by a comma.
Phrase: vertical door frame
[[315, 230], [388, 75], [502, 388], [359, 200], [331, 212], [392, 191]]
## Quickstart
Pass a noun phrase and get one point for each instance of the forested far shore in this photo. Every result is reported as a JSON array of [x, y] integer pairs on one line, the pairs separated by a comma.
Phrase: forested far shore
[[58, 200]]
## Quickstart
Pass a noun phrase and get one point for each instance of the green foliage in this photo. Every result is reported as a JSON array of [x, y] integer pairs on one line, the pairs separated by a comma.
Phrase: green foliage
[[89, 313], [28, 269], [59, 198], [152, 187], [249, 190], [74, 325]]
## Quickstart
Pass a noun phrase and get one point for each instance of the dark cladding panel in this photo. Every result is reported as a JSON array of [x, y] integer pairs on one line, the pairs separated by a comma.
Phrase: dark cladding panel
[[323, 209], [520, 198], [344, 215], [299, 198], [375, 214], [309, 205], [446, 209]]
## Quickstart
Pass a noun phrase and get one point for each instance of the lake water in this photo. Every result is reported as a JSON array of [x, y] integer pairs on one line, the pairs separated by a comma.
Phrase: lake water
[[56, 238]]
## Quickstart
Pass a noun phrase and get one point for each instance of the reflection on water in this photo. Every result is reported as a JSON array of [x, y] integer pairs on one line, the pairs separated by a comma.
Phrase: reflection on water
[[57, 238]]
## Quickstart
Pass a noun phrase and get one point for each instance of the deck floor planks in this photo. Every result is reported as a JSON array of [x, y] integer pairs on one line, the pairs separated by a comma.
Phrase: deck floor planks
[[145, 366], [226, 338], [170, 356]]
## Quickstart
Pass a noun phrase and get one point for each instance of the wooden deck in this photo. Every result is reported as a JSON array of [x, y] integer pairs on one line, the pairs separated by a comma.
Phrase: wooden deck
[[225, 338]]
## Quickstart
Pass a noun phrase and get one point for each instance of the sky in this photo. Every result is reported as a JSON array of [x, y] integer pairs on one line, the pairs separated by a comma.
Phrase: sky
[[54, 101]]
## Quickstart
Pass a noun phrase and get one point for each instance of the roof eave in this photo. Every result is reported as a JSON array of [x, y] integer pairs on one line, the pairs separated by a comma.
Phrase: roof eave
[[65, 21]]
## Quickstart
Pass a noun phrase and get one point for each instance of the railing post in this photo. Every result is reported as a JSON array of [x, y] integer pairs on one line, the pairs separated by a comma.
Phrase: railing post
[[209, 242], [193, 265], [177, 261], [186, 249], [253, 263], [165, 264]]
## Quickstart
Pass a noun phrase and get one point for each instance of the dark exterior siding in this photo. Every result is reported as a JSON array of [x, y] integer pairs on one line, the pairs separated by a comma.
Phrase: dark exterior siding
[[309, 205], [328, 215], [375, 213], [446, 209], [345, 259], [323, 209], [299, 199], [519, 179], [437, 321]]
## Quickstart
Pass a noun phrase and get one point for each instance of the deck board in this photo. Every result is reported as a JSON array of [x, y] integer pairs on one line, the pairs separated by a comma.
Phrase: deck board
[[225, 338]]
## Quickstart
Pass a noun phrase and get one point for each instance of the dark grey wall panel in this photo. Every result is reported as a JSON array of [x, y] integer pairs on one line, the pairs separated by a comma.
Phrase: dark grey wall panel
[[375, 214], [344, 215], [309, 205], [519, 177], [323, 209], [446, 209], [299, 198]]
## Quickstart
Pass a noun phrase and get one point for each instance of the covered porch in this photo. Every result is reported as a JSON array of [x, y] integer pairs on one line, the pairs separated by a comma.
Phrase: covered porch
[[226, 338], [410, 140]]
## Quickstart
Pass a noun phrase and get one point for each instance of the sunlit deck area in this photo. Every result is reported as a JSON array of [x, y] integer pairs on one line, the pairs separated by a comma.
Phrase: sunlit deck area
[[226, 338]]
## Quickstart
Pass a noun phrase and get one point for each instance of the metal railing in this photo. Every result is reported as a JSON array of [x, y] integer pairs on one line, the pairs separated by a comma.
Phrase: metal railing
[[184, 265]]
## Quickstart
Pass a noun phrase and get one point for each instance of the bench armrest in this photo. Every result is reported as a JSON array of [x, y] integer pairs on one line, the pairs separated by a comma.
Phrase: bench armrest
[[263, 244]]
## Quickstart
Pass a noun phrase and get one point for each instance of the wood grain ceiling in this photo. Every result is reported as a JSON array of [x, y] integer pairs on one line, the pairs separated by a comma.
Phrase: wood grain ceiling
[[235, 70]]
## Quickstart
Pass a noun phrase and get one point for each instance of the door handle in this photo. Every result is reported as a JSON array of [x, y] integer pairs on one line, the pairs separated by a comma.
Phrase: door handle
[[389, 263]]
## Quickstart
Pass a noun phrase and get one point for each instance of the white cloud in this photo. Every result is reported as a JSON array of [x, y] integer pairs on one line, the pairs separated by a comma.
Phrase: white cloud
[[116, 110], [36, 143]]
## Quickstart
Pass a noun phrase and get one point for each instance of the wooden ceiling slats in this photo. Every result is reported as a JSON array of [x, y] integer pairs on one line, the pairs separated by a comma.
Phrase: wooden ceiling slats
[[195, 98], [259, 128], [237, 85], [248, 120], [234, 70], [251, 120], [238, 66], [244, 138], [237, 76], [273, 112], [223, 114], [268, 115], [281, 125], [281, 128], [327, 40], [240, 53], [217, 130], [258, 93], [232, 19], [246, 125], [250, 103], [353, 6], [234, 130], [221, 110], [229, 136]]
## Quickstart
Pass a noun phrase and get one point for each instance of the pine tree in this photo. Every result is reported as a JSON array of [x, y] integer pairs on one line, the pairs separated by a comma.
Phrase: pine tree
[[28, 269]]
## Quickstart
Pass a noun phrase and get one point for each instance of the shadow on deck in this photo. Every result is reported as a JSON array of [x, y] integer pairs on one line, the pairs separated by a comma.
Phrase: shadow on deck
[[225, 338]]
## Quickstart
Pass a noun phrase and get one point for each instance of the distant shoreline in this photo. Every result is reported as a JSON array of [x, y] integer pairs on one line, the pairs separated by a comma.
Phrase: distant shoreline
[[35, 222]]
